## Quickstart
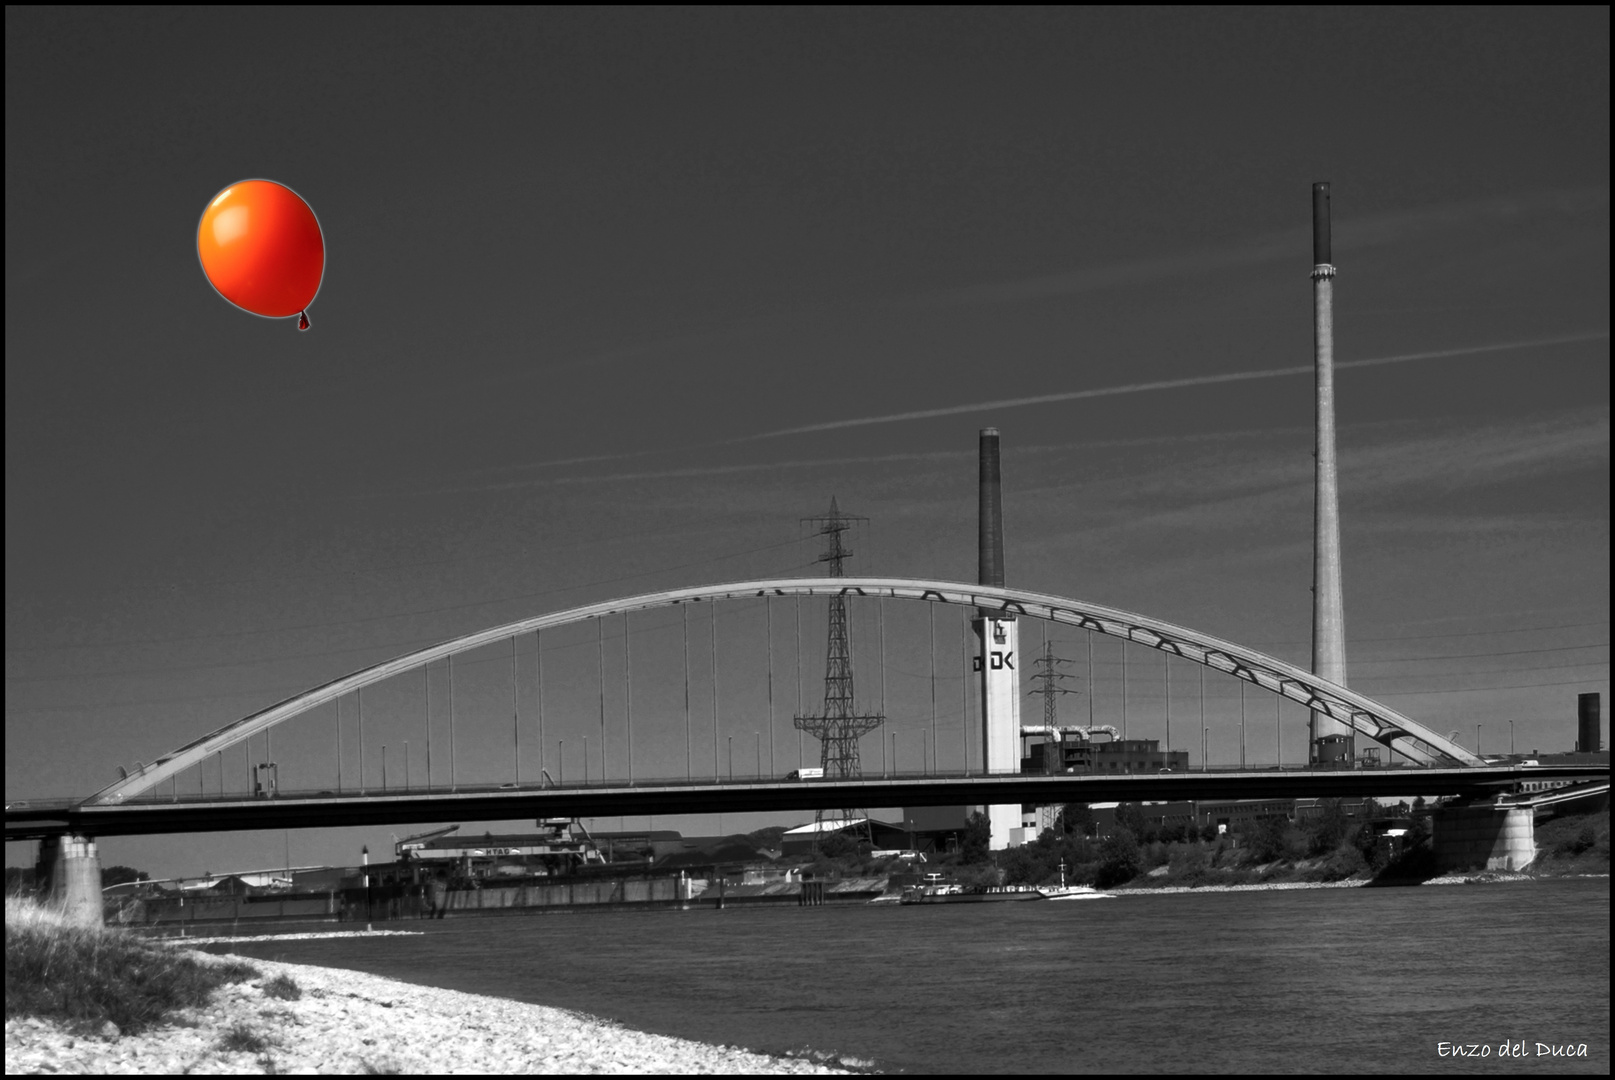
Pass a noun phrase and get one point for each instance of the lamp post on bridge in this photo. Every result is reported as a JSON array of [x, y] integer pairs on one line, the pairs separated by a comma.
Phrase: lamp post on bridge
[[1511, 751], [560, 756], [1477, 740]]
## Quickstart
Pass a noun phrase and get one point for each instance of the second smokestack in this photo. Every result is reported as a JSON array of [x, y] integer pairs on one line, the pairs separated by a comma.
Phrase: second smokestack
[[990, 548]]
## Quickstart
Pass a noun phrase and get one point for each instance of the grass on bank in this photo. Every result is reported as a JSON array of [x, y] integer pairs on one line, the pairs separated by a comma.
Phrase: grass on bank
[[241, 1039], [1573, 845], [283, 987], [87, 976]]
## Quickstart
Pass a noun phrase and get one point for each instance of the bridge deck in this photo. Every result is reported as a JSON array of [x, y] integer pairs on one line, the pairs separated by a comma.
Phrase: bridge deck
[[153, 815]]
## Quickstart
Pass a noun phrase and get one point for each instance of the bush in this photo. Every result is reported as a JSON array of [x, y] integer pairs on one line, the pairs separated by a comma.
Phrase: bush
[[86, 976], [241, 1039], [979, 876], [1188, 860], [1328, 830], [1583, 840], [1272, 838], [1021, 867], [1130, 816], [1077, 818], [977, 839], [823, 869], [1119, 859], [1340, 864], [282, 987], [1181, 833]]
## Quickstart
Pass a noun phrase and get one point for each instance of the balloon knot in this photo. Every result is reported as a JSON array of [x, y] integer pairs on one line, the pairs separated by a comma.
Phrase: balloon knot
[[302, 321]]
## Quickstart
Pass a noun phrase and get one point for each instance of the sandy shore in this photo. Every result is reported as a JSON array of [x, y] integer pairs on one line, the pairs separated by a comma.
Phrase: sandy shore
[[350, 1022]]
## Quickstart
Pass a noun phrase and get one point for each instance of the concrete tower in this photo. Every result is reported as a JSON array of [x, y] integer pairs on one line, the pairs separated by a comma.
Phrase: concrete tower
[[1328, 611], [997, 661]]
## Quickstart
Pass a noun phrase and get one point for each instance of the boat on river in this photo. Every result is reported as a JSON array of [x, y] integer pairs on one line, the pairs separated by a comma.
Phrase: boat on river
[[1072, 892], [1063, 891], [961, 894]]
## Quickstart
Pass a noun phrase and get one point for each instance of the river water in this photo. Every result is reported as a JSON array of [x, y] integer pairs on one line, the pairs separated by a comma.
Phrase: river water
[[1323, 980]]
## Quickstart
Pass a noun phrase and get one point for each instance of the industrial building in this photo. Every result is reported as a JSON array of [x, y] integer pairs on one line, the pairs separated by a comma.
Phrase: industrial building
[[880, 835], [560, 846], [1223, 814], [1075, 750]]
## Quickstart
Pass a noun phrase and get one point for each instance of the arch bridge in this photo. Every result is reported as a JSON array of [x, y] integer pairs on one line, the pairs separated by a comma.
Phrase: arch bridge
[[1367, 717]]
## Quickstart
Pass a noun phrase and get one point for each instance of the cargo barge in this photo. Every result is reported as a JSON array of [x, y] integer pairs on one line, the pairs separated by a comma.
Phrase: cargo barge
[[961, 894]]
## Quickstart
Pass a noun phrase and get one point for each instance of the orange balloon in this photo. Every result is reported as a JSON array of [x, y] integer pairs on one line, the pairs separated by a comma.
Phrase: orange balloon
[[261, 248]]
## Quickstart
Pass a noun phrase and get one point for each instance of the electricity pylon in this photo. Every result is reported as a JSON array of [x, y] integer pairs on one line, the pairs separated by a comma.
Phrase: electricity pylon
[[1053, 749], [839, 727]]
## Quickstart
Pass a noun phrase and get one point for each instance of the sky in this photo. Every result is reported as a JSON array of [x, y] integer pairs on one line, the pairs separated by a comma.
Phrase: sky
[[614, 298]]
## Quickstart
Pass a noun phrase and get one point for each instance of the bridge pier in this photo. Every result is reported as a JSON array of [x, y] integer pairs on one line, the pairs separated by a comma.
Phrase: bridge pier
[[1493, 837], [69, 877]]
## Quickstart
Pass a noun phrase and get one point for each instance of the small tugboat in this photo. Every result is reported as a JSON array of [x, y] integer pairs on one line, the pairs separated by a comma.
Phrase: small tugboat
[[1071, 892]]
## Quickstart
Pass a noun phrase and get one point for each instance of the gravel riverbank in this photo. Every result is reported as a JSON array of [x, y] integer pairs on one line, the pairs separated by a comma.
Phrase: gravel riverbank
[[350, 1022]]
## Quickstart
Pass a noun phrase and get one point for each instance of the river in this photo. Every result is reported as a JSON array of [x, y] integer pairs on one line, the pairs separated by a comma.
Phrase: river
[[1324, 980]]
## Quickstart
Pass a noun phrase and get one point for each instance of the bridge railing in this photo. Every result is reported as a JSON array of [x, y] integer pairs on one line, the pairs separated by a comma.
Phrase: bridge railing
[[532, 788]]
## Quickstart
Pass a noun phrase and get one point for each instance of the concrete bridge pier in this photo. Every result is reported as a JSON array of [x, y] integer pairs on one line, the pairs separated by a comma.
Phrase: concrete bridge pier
[[68, 875], [1493, 837]]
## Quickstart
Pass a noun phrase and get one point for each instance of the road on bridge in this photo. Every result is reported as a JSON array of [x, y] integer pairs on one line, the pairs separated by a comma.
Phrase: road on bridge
[[152, 815]]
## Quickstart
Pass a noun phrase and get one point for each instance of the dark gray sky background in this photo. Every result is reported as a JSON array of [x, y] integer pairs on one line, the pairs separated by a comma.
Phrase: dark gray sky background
[[602, 288]]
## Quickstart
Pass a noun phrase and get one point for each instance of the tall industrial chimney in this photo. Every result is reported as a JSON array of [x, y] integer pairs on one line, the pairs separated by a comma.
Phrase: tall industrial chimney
[[1328, 612], [1000, 682], [990, 549], [1588, 728]]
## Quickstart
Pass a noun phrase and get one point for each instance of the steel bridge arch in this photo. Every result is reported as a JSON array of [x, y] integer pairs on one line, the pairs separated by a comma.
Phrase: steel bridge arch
[[1369, 717]]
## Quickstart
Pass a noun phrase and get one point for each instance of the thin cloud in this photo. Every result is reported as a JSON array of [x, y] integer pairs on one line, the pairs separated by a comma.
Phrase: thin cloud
[[952, 410], [1166, 384], [1351, 233], [661, 474]]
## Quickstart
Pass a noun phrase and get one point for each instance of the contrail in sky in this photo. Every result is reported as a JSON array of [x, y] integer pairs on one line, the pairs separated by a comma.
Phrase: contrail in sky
[[1164, 384], [1006, 403]]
